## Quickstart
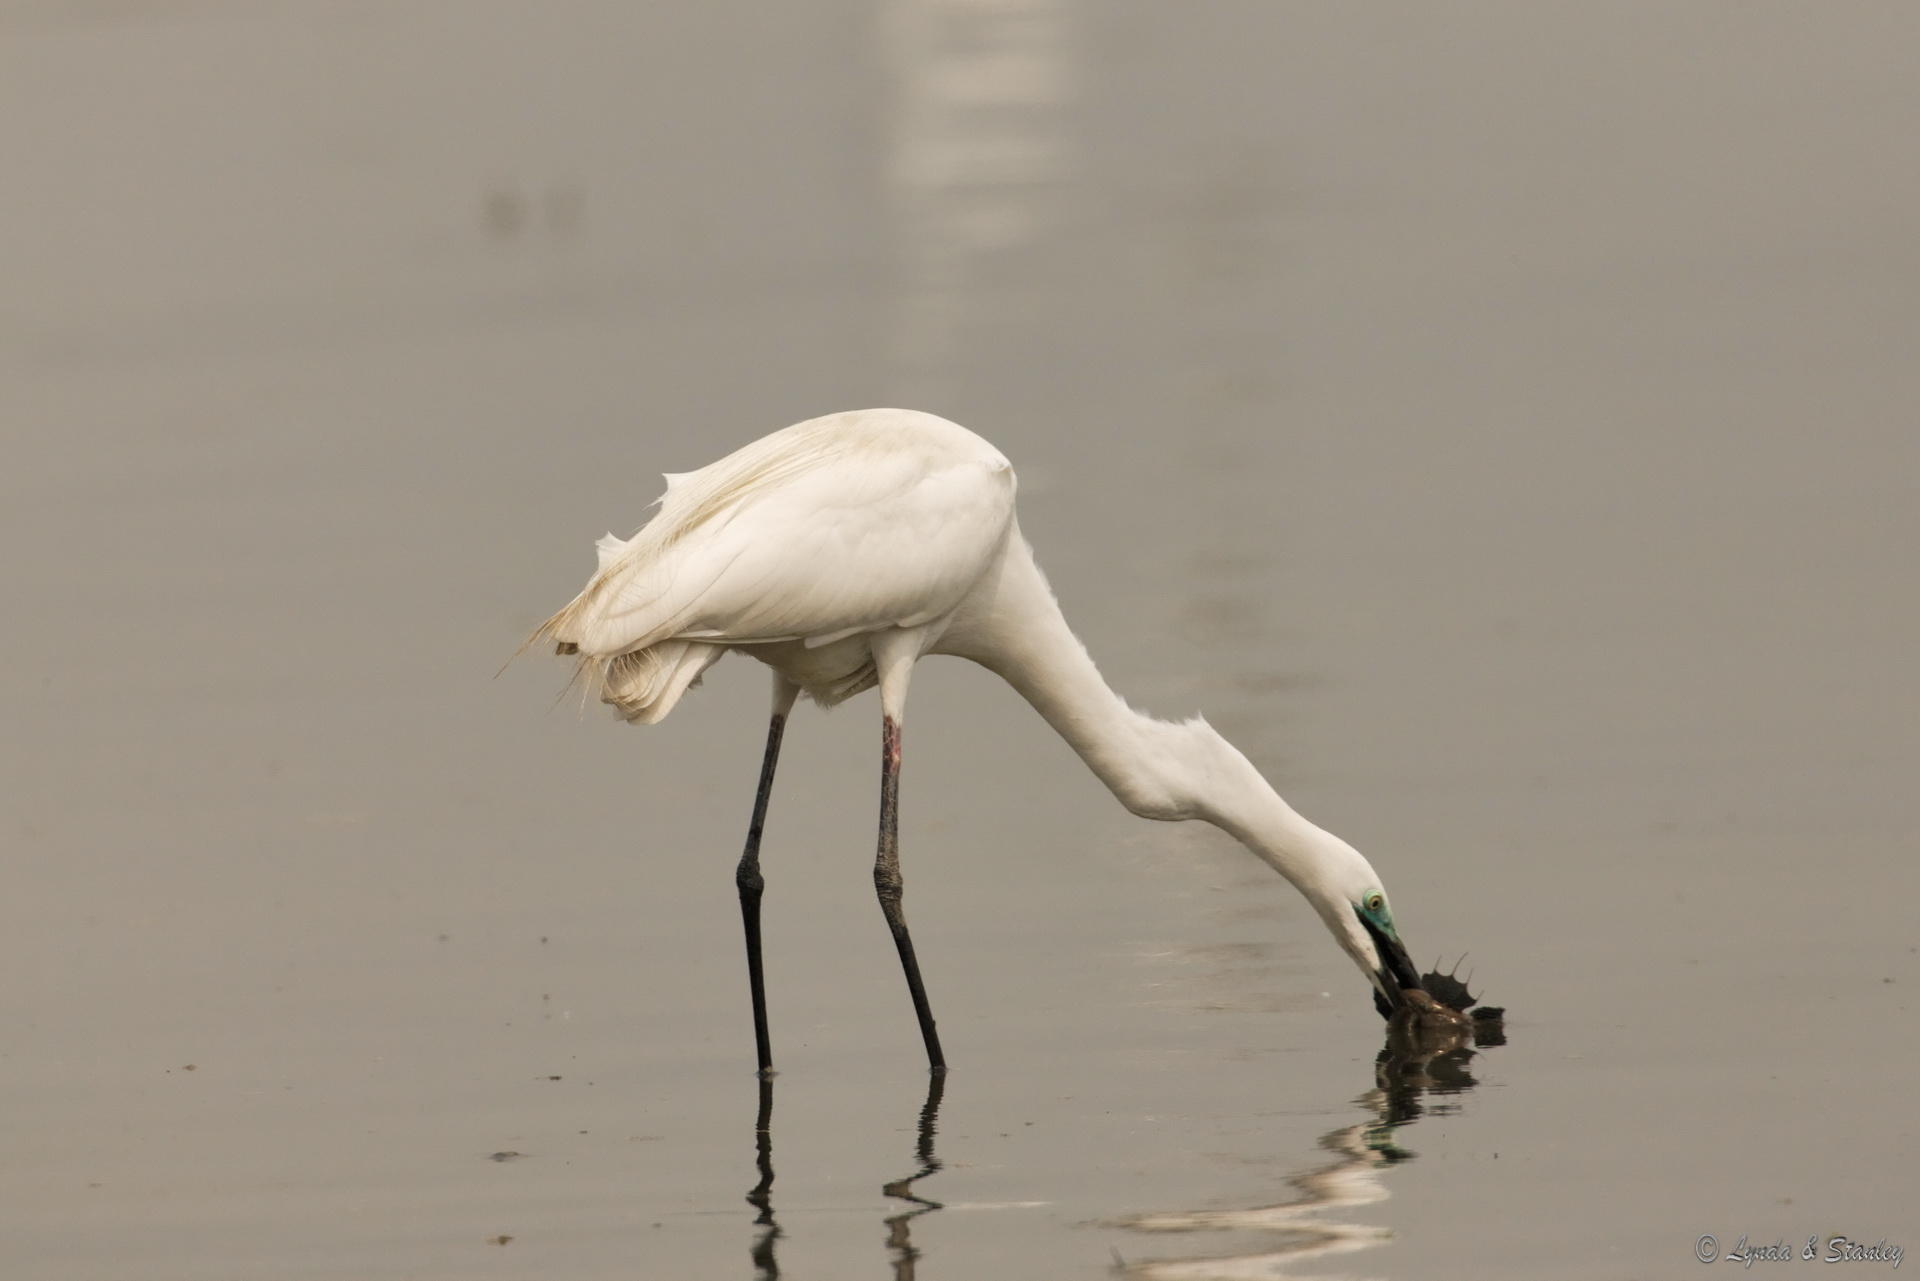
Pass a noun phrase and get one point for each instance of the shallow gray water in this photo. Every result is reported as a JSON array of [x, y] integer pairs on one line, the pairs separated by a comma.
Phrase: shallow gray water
[[1498, 420]]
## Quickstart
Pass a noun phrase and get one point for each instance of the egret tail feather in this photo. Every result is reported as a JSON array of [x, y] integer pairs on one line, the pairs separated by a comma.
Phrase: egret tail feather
[[643, 685]]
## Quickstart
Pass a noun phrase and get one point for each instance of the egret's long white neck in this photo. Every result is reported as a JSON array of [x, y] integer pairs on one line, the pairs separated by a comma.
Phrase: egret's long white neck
[[1158, 769]]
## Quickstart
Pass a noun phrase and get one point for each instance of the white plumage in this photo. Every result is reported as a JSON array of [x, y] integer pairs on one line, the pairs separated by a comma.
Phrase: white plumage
[[840, 550], [817, 534]]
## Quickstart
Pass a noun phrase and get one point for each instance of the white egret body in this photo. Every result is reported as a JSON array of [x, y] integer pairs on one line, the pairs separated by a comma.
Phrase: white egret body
[[839, 551]]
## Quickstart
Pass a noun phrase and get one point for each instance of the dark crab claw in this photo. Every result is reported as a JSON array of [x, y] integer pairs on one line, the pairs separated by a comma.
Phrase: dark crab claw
[[1449, 988]]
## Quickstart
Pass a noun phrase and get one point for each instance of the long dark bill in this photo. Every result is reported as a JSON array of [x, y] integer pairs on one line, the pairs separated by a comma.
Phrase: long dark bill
[[1396, 973]]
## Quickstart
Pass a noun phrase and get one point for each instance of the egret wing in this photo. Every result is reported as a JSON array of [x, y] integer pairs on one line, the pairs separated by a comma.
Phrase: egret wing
[[875, 540], [822, 560]]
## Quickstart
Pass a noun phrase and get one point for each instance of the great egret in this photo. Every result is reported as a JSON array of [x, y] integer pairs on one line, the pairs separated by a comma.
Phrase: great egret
[[840, 550]]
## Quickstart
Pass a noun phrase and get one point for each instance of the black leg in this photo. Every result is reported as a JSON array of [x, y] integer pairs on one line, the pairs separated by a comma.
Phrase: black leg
[[751, 884], [886, 881]]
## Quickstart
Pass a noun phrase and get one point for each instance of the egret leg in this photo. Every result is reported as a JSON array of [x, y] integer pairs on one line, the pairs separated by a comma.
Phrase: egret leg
[[891, 889], [893, 658], [748, 877]]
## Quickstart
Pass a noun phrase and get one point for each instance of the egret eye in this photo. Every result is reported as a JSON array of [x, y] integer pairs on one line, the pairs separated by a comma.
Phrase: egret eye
[[1375, 902]]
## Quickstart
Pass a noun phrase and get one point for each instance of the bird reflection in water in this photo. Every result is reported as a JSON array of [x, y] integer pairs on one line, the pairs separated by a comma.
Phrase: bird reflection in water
[[899, 1230], [1415, 1067], [761, 1197], [900, 1247]]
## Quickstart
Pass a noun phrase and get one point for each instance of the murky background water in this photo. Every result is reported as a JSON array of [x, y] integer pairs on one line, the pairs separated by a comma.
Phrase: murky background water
[[1498, 419]]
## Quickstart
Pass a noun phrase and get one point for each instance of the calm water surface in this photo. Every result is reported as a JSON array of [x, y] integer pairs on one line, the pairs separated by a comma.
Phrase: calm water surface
[[1497, 420]]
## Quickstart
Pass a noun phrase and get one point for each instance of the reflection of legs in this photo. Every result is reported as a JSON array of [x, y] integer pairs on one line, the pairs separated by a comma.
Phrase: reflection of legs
[[899, 1231], [923, 1148], [930, 1123], [761, 1197], [748, 877]]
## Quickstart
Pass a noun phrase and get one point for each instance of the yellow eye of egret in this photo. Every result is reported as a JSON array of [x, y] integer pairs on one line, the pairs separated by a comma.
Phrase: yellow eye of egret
[[1373, 902]]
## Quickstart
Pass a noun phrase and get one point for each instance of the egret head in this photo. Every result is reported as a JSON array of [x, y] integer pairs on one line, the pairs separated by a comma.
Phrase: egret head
[[1381, 955], [1351, 901], [1222, 787]]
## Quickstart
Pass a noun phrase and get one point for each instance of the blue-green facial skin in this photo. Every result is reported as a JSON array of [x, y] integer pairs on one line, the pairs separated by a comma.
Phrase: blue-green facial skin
[[1374, 908], [1397, 970]]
